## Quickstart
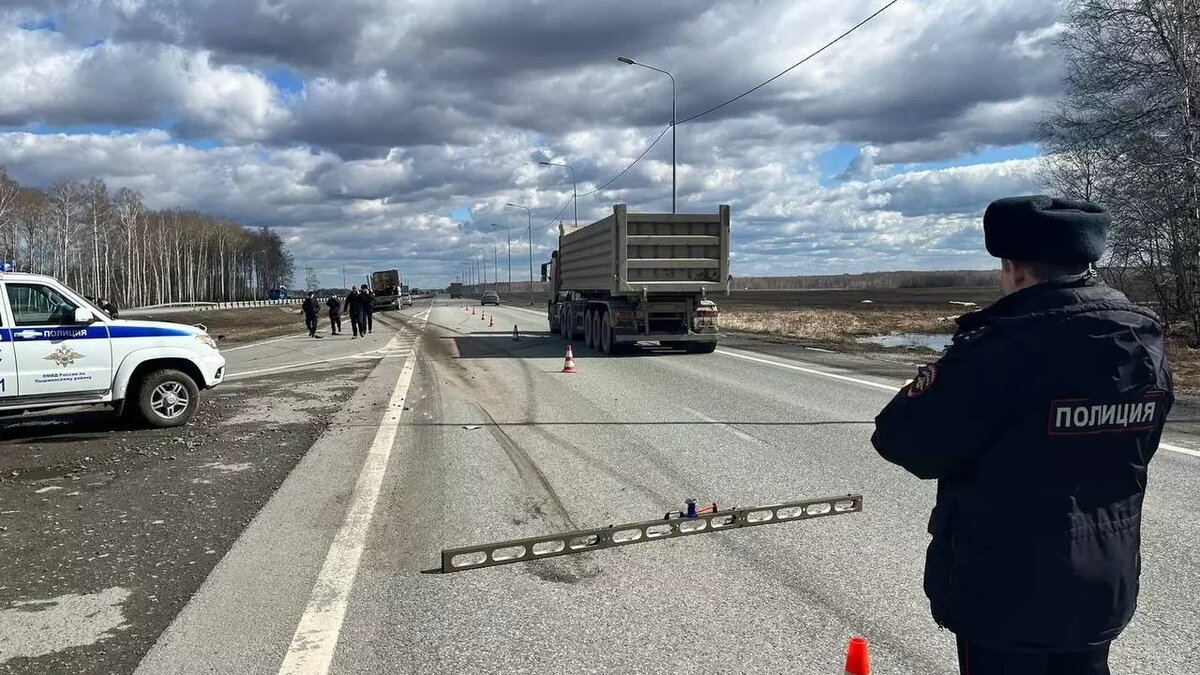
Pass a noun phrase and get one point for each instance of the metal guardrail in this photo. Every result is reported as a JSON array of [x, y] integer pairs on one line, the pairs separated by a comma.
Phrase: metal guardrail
[[203, 306], [673, 525]]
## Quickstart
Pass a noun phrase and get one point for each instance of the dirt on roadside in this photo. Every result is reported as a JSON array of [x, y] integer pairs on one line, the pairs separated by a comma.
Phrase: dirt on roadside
[[107, 530]]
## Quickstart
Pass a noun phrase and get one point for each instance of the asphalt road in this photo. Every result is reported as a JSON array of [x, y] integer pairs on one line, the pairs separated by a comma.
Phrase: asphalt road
[[106, 531], [468, 437]]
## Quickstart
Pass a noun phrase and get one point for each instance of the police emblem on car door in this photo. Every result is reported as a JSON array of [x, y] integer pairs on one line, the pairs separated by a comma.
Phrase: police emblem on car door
[[64, 356]]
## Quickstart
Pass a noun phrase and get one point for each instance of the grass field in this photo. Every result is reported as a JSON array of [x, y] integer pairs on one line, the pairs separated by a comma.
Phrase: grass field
[[837, 318]]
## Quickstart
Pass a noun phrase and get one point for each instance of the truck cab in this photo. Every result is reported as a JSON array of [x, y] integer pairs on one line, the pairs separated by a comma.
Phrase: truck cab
[[59, 350]]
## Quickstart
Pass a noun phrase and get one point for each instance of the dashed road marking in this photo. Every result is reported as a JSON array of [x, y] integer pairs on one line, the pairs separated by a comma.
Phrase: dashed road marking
[[876, 385]]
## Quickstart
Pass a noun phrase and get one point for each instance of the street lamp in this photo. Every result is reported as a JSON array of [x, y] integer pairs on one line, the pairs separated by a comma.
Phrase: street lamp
[[508, 237], [574, 187], [631, 62], [529, 220]]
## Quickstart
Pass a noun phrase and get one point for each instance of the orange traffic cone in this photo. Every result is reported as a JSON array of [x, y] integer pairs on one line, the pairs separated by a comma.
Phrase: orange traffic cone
[[569, 365], [858, 658], [492, 323], [516, 334]]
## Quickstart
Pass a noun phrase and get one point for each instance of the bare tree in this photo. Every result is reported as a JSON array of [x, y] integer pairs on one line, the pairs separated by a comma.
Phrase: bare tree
[[9, 191], [1127, 134], [117, 248]]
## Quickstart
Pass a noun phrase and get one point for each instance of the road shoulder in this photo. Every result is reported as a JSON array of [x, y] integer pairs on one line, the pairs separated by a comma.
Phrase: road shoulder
[[243, 617]]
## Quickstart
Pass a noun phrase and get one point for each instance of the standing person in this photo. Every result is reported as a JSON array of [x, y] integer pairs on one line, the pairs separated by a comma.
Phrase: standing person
[[110, 308], [1038, 423], [335, 314], [370, 307], [352, 310], [311, 311]]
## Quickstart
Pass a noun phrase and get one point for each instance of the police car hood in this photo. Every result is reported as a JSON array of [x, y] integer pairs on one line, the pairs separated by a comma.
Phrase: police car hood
[[134, 328]]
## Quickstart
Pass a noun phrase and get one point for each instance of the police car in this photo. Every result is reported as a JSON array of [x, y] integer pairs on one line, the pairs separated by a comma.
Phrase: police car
[[57, 349]]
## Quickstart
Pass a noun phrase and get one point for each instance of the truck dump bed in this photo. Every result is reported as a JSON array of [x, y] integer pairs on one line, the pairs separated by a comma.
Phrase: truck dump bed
[[628, 253]]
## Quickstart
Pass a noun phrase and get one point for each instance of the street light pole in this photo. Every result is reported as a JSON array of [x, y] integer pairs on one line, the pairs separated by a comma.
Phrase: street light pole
[[508, 238], [631, 62], [529, 220], [574, 187]]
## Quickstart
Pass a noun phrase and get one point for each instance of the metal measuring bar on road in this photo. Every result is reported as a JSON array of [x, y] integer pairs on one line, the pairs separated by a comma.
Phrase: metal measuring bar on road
[[674, 524]]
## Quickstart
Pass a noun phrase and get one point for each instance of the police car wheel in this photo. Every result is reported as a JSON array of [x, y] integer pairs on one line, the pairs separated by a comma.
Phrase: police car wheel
[[168, 398]]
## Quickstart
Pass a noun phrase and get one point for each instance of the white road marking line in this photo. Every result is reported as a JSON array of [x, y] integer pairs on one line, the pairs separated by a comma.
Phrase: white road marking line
[[264, 342], [728, 427], [297, 366], [1165, 446], [316, 637], [1179, 449], [811, 371]]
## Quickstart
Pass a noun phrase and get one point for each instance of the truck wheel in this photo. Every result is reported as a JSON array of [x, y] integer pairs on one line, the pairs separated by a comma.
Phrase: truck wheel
[[587, 328], [569, 326], [597, 323], [167, 398], [701, 347], [607, 344]]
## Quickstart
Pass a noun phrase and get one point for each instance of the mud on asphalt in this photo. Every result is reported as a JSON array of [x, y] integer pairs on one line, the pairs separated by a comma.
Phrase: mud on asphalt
[[106, 531]]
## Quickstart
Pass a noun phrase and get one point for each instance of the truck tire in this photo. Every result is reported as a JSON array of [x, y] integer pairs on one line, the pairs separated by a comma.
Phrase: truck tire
[[587, 328], [607, 344], [597, 325], [167, 398], [701, 347], [569, 326]]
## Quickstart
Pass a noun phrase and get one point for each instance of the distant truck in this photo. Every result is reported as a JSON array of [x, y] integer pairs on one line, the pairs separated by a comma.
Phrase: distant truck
[[635, 277], [456, 290], [386, 287]]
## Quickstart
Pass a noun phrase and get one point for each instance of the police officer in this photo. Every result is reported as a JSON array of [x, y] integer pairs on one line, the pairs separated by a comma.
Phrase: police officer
[[351, 306], [369, 315], [335, 314], [1038, 423], [311, 311]]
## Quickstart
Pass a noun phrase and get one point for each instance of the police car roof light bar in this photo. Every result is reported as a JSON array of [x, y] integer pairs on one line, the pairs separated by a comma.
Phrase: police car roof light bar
[[674, 524]]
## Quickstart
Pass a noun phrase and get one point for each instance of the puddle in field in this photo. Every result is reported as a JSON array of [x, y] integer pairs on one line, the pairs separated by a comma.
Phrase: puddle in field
[[38, 627], [932, 341]]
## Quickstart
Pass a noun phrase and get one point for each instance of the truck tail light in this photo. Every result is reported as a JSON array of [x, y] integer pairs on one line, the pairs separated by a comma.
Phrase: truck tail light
[[624, 315]]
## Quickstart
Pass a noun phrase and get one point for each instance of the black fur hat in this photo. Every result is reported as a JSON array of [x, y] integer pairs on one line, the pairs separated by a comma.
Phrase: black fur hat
[[1045, 229]]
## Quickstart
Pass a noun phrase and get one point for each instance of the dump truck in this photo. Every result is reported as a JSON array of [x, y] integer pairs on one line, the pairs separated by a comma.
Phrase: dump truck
[[456, 290], [640, 277], [386, 287]]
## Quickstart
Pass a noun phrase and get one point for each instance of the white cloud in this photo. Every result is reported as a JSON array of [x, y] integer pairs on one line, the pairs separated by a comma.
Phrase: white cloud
[[413, 109]]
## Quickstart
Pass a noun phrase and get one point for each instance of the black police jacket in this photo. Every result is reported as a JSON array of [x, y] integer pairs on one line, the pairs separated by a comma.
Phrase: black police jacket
[[356, 303], [334, 305], [1038, 423], [310, 307]]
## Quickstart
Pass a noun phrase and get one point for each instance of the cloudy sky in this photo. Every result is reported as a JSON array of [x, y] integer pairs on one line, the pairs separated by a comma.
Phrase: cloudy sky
[[391, 133]]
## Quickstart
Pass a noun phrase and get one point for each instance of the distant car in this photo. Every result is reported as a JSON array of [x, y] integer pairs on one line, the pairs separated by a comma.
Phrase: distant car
[[490, 298], [406, 300]]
